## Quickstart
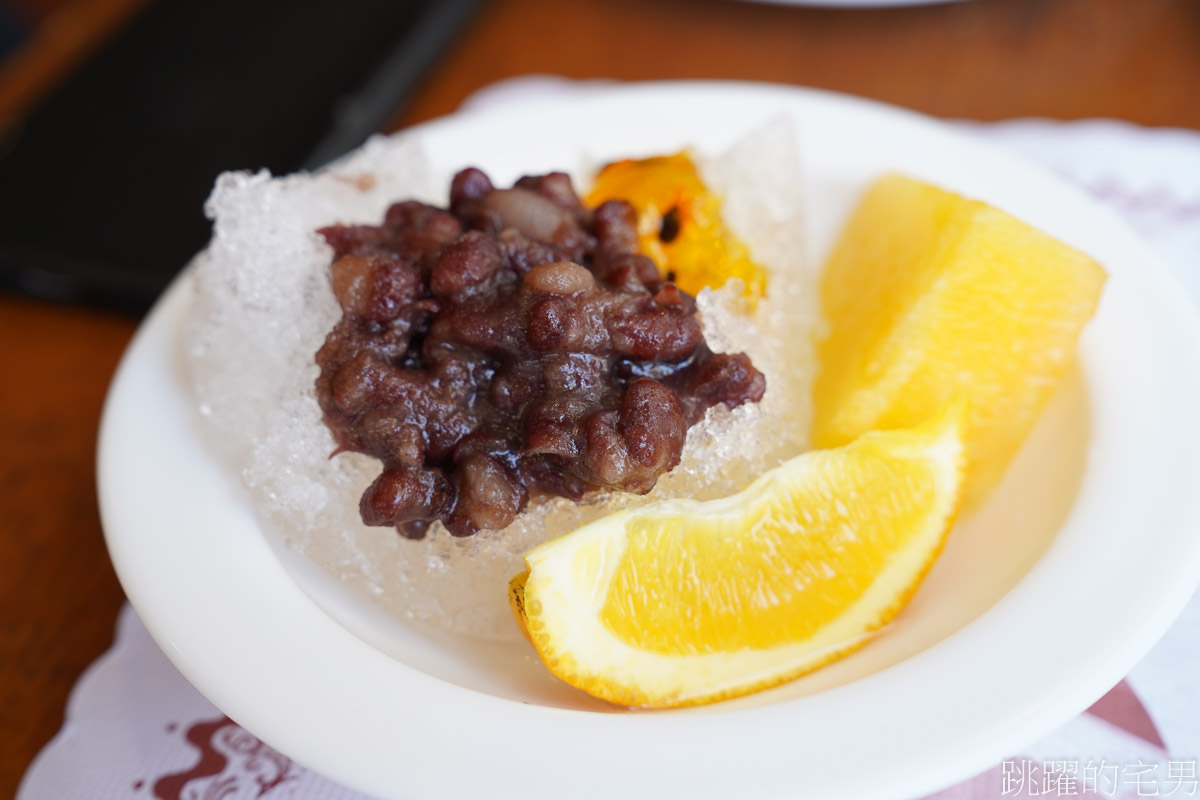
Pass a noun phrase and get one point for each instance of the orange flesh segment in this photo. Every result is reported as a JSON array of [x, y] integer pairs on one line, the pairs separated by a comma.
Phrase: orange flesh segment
[[931, 296]]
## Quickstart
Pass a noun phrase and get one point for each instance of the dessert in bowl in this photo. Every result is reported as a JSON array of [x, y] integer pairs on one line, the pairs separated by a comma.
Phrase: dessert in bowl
[[948, 687]]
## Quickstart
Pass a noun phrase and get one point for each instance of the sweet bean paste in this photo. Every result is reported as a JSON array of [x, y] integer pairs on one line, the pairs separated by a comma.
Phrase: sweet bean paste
[[514, 344]]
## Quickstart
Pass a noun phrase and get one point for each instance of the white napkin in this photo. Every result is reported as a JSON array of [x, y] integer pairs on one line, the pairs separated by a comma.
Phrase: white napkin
[[135, 728]]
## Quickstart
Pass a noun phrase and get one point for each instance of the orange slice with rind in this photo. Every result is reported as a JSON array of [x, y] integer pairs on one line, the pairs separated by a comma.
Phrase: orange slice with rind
[[683, 602]]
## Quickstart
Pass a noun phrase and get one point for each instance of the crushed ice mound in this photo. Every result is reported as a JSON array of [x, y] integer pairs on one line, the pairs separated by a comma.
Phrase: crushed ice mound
[[263, 306]]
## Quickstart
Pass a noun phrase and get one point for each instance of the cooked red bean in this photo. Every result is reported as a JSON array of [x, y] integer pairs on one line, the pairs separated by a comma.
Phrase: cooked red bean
[[559, 277], [556, 187], [516, 343], [535, 216], [464, 263]]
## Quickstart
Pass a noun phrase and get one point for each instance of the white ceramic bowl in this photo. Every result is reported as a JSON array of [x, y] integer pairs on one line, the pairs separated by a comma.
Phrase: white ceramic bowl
[[1041, 602]]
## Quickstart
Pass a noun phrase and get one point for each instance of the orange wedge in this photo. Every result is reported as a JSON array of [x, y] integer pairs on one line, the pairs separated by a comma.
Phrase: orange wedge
[[683, 602]]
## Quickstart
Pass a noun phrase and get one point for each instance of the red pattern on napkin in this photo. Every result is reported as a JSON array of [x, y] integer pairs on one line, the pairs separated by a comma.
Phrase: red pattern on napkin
[[1121, 707], [230, 761]]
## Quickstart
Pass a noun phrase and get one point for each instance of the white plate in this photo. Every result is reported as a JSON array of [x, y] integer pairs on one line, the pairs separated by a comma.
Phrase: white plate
[[1041, 602]]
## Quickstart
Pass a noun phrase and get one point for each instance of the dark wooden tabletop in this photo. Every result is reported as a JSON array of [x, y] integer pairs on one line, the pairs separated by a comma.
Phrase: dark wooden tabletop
[[1137, 60]]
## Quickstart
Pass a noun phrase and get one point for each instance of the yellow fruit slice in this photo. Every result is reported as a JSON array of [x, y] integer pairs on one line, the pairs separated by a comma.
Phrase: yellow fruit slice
[[930, 296], [679, 222], [684, 602]]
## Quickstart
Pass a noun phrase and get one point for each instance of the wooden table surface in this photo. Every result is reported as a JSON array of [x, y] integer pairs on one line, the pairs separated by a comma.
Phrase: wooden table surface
[[1137, 60]]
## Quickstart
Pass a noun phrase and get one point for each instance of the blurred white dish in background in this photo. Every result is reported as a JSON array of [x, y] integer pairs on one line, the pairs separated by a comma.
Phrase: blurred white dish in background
[[853, 3]]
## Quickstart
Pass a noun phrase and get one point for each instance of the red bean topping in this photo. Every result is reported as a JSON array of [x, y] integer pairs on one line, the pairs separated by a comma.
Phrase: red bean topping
[[439, 223], [351, 277], [551, 325], [616, 229], [354, 239], [535, 217], [469, 260], [652, 425], [490, 495], [374, 288], [550, 438], [392, 440], [652, 332], [524, 254], [559, 277], [669, 296], [557, 188], [401, 495], [721, 378], [469, 185], [633, 272], [514, 345]]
